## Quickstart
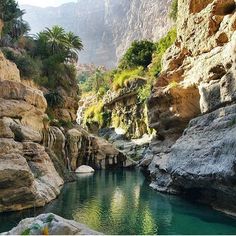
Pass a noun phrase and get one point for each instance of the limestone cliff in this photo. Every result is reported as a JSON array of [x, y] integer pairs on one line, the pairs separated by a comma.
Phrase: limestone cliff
[[36, 158], [198, 77], [27, 175], [106, 27]]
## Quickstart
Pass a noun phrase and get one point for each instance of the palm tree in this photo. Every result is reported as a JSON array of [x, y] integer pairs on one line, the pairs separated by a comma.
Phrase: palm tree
[[11, 14], [74, 45], [56, 38]]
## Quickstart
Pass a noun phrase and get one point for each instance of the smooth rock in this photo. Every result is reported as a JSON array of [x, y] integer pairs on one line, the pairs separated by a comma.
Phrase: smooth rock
[[50, 224], [84, 169]]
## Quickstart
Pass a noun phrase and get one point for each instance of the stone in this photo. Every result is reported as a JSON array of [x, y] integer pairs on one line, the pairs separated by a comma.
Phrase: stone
[[192, 107], [84, 169], [27, 176], [202, 160], [8, 70], [51, 224]]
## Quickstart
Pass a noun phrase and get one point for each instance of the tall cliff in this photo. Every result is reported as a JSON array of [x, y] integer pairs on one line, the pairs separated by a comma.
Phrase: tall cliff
[[198, 81], [36, 158], [106, 27]]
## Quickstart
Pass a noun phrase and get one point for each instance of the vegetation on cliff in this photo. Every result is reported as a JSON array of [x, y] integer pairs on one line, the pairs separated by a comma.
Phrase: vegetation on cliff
[[48, 58], [142, 60]]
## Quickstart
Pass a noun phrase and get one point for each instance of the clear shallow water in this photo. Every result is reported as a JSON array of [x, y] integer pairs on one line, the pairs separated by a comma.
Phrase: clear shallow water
[[121, 202]]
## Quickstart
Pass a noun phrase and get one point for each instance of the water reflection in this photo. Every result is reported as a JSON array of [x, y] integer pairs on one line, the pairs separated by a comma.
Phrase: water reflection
[[122, 203]]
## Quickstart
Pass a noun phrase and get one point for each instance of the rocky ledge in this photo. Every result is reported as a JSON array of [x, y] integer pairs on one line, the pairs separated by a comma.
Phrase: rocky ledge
[[197, 85], [50, 224]]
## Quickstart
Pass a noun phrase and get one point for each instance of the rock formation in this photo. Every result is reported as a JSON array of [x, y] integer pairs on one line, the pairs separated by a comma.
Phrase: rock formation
[[126, 111], [50, 224], [106, 27], [36, 158], [198, 79], [27, 175]]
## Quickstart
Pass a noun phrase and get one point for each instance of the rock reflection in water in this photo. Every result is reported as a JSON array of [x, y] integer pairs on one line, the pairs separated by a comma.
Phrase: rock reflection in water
[[121, 202]]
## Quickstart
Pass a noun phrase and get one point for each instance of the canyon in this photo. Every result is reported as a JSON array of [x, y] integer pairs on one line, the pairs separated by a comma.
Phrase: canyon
[[189, 118], [106, 27]]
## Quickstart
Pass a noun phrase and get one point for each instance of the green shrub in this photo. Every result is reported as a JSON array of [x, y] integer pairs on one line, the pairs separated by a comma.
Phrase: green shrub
[[161, 47], [144, 92], [54, 99], [121, 77], [30, 68], [94, 114], [139, 54], [65, 124], [173, 84]]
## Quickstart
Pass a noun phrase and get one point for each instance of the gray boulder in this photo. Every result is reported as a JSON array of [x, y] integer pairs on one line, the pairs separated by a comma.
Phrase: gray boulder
[[50, 224]]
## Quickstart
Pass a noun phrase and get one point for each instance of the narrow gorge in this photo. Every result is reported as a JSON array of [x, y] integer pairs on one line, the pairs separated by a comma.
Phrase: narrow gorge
[[91, 144]]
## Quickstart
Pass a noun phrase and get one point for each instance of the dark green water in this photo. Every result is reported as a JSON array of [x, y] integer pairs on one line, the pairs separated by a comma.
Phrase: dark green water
[[122, 203]]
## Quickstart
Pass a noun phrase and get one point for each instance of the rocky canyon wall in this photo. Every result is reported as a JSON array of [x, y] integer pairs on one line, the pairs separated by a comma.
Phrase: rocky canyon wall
[[198, 80], [107, 28], [36, 158]]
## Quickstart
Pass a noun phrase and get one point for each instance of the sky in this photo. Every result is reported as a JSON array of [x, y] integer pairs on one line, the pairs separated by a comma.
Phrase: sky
[[44, 3]]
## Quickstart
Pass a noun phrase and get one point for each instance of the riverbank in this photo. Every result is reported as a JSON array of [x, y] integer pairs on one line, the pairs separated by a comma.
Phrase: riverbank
[[121, 202]]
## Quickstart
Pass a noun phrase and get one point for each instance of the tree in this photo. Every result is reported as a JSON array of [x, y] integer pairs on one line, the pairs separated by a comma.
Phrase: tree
[[74, 46], [139, 54], [55, 38], [56, 42], [11, 15]]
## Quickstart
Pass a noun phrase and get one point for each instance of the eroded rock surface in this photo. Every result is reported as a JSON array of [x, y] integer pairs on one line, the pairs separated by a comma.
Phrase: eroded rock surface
[[50, 224], [27, 175], [198, 77]]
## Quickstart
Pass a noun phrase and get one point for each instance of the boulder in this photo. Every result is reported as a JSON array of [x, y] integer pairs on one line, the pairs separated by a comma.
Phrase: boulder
[[27, 176], [84, 169], [50, 224]]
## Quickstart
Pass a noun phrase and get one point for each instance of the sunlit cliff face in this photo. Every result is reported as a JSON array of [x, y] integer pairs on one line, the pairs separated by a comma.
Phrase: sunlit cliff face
[[106, 27]]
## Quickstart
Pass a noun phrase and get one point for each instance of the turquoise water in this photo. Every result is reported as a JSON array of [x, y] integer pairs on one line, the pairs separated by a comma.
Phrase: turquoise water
[[120, 202]]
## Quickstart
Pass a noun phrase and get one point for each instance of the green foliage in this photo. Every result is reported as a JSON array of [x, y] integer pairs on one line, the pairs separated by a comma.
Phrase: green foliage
[[161, 47], [232, 122], [144, 92], [56, 41], [97, 82], [65, 124], [139, 54], [173, 84], [174, 10], [116, 121], [30, 68], [122, 76], [94, 114], [54, 99], [14, 25]]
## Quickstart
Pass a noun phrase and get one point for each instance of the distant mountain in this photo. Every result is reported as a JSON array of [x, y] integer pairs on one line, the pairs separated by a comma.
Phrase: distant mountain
[[107, 27]]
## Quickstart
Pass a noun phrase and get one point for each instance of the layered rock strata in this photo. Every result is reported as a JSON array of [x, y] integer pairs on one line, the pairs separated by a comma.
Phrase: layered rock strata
[[198, 77], [36, 158], [27, 175]]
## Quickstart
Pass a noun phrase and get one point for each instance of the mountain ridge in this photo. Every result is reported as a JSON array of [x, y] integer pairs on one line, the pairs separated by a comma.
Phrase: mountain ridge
[[107, 28]]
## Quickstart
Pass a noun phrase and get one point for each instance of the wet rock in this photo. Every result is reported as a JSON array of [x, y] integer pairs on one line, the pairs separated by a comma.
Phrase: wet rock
[[50, 224]]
